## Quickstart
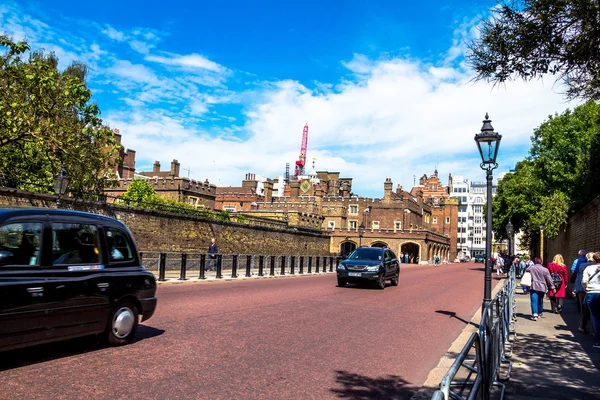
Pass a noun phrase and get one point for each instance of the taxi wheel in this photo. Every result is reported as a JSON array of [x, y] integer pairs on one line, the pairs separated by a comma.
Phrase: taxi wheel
[[122, 324]]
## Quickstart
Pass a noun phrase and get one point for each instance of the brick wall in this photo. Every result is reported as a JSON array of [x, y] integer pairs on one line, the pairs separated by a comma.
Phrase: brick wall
[[161, 231], [583, 232]]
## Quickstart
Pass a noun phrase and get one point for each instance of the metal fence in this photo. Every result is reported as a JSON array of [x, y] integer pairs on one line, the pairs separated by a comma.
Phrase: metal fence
[[484, 363], [182, 266]]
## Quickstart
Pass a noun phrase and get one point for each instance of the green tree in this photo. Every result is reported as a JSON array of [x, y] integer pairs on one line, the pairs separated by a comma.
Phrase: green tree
[[552, 181], [140, 193], [527, 39], [47, 120]]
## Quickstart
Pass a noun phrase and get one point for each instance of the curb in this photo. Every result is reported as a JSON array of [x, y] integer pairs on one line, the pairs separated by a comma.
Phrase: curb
[[435, 376]]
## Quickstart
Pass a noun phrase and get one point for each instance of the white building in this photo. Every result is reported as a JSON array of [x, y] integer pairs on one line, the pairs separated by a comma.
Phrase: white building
[[471, 228]]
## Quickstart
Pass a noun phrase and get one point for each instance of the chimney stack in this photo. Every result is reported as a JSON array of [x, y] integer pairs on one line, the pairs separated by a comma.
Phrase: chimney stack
[[156, 167], [387, 190], [175, 168]]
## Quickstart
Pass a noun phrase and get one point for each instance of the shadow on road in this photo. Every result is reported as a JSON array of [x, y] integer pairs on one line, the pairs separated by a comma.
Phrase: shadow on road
[[452, 314], [52, 351], [359, 387]]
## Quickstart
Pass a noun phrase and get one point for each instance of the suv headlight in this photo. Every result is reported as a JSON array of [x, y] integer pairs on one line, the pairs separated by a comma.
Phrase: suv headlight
[[341, 267], [373, 268]]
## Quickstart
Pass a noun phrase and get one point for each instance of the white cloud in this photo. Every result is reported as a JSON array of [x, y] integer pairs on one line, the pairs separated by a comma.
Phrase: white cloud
[[133, 72], [189, 61], [114, 34]]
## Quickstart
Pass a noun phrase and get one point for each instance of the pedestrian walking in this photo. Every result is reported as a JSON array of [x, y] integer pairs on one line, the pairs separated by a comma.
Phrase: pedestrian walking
[[499, 265], [211, 261], [579, 260], [541, 282], [579, 293], [558, 269], [591, 283]]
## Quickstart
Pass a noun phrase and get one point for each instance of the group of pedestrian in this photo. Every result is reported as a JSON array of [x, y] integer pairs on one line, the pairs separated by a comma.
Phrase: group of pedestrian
[[537, 280]]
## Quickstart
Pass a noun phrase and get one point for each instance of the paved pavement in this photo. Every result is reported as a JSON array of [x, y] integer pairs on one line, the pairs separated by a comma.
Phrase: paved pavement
[[285, 338], [551, 359]]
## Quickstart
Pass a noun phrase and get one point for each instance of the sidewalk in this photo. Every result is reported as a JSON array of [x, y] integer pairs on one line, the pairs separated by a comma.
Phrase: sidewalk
[[551, 359]]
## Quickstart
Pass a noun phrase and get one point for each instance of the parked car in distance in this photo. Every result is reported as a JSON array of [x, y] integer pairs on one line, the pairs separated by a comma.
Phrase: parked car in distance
[[369, 264], [65, 274], [479, 258]]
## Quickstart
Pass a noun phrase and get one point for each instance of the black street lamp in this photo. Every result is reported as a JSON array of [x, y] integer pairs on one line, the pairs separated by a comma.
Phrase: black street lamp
[[488, 143], [510, 231], [361, 230], [61, 182]]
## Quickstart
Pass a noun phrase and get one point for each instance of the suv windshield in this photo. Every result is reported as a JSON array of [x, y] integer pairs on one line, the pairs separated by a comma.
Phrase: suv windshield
[[366, 253]]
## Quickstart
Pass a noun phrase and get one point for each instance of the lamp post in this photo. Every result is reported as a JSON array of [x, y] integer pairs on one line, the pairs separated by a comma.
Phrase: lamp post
[[61, 182], [542, 242], [488, 143], [510, 231], [361, 230]]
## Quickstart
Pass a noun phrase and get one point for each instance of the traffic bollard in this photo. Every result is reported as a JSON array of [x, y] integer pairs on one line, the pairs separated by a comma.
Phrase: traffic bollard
[[183, 267], [234, 266], [248, 266], [202, 275], [292, 264], [282, 272], [261, 260], [317, 261], [301, 265], [162, 266], [219, 266], [272, 272]]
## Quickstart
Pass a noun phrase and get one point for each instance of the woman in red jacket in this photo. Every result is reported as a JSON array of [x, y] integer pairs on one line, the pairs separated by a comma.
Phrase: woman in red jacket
[[556, 297]]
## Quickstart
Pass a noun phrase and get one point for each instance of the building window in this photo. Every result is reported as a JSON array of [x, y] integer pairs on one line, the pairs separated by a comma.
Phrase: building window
[[375, 224], [477, 209], [229, 208], [331, 224], [477, 220], [352, 224], [447, 220], [435, 220], [353, 210], [462, 208], [477, 240], [397, 225], [478, 230]]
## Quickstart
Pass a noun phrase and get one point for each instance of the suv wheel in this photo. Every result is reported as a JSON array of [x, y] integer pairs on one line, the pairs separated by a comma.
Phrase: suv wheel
[[381, 282], [395, 279], [341, 282], [122, 324]]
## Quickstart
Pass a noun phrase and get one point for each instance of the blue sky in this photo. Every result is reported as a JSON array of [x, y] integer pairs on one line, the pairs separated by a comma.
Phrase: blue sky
[[226, 87]]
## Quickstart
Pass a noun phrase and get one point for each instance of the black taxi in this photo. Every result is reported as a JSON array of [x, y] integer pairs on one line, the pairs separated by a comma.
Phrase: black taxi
[[65, 274]]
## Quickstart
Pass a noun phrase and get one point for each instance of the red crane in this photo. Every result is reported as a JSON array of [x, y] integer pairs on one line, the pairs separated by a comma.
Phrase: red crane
[[302, 160]]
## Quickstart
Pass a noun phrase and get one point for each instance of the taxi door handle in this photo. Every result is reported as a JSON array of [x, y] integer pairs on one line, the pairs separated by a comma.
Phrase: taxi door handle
[[102, 285], [36, 291]]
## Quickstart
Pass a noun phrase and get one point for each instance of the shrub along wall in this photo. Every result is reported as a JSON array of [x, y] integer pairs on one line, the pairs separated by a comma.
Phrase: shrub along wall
[[163, 231], [582, 232]]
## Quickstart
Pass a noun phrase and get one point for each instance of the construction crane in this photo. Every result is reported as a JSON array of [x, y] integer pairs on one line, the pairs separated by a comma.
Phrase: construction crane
[[302, 160]]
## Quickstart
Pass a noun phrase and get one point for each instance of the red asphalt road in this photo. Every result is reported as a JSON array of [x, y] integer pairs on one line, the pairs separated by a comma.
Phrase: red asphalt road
[[283, 338]]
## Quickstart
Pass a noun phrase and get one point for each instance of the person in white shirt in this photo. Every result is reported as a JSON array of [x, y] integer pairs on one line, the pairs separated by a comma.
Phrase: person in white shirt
[[591, 282]]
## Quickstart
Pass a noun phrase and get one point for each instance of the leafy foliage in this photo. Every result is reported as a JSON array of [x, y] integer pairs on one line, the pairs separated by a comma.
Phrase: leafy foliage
[[530, 38], [559, 176], [47, 120]]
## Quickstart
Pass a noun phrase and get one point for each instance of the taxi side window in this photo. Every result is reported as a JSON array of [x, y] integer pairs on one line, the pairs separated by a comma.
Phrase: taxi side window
[[20, 243], [119, 246], [75, 244]]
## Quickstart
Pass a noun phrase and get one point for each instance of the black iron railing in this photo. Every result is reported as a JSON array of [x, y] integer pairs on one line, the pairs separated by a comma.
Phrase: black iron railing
[[182, 266]]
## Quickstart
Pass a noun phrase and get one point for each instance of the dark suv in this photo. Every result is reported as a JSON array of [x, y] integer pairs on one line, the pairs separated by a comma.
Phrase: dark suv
[[65, 274], [369, 264]]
